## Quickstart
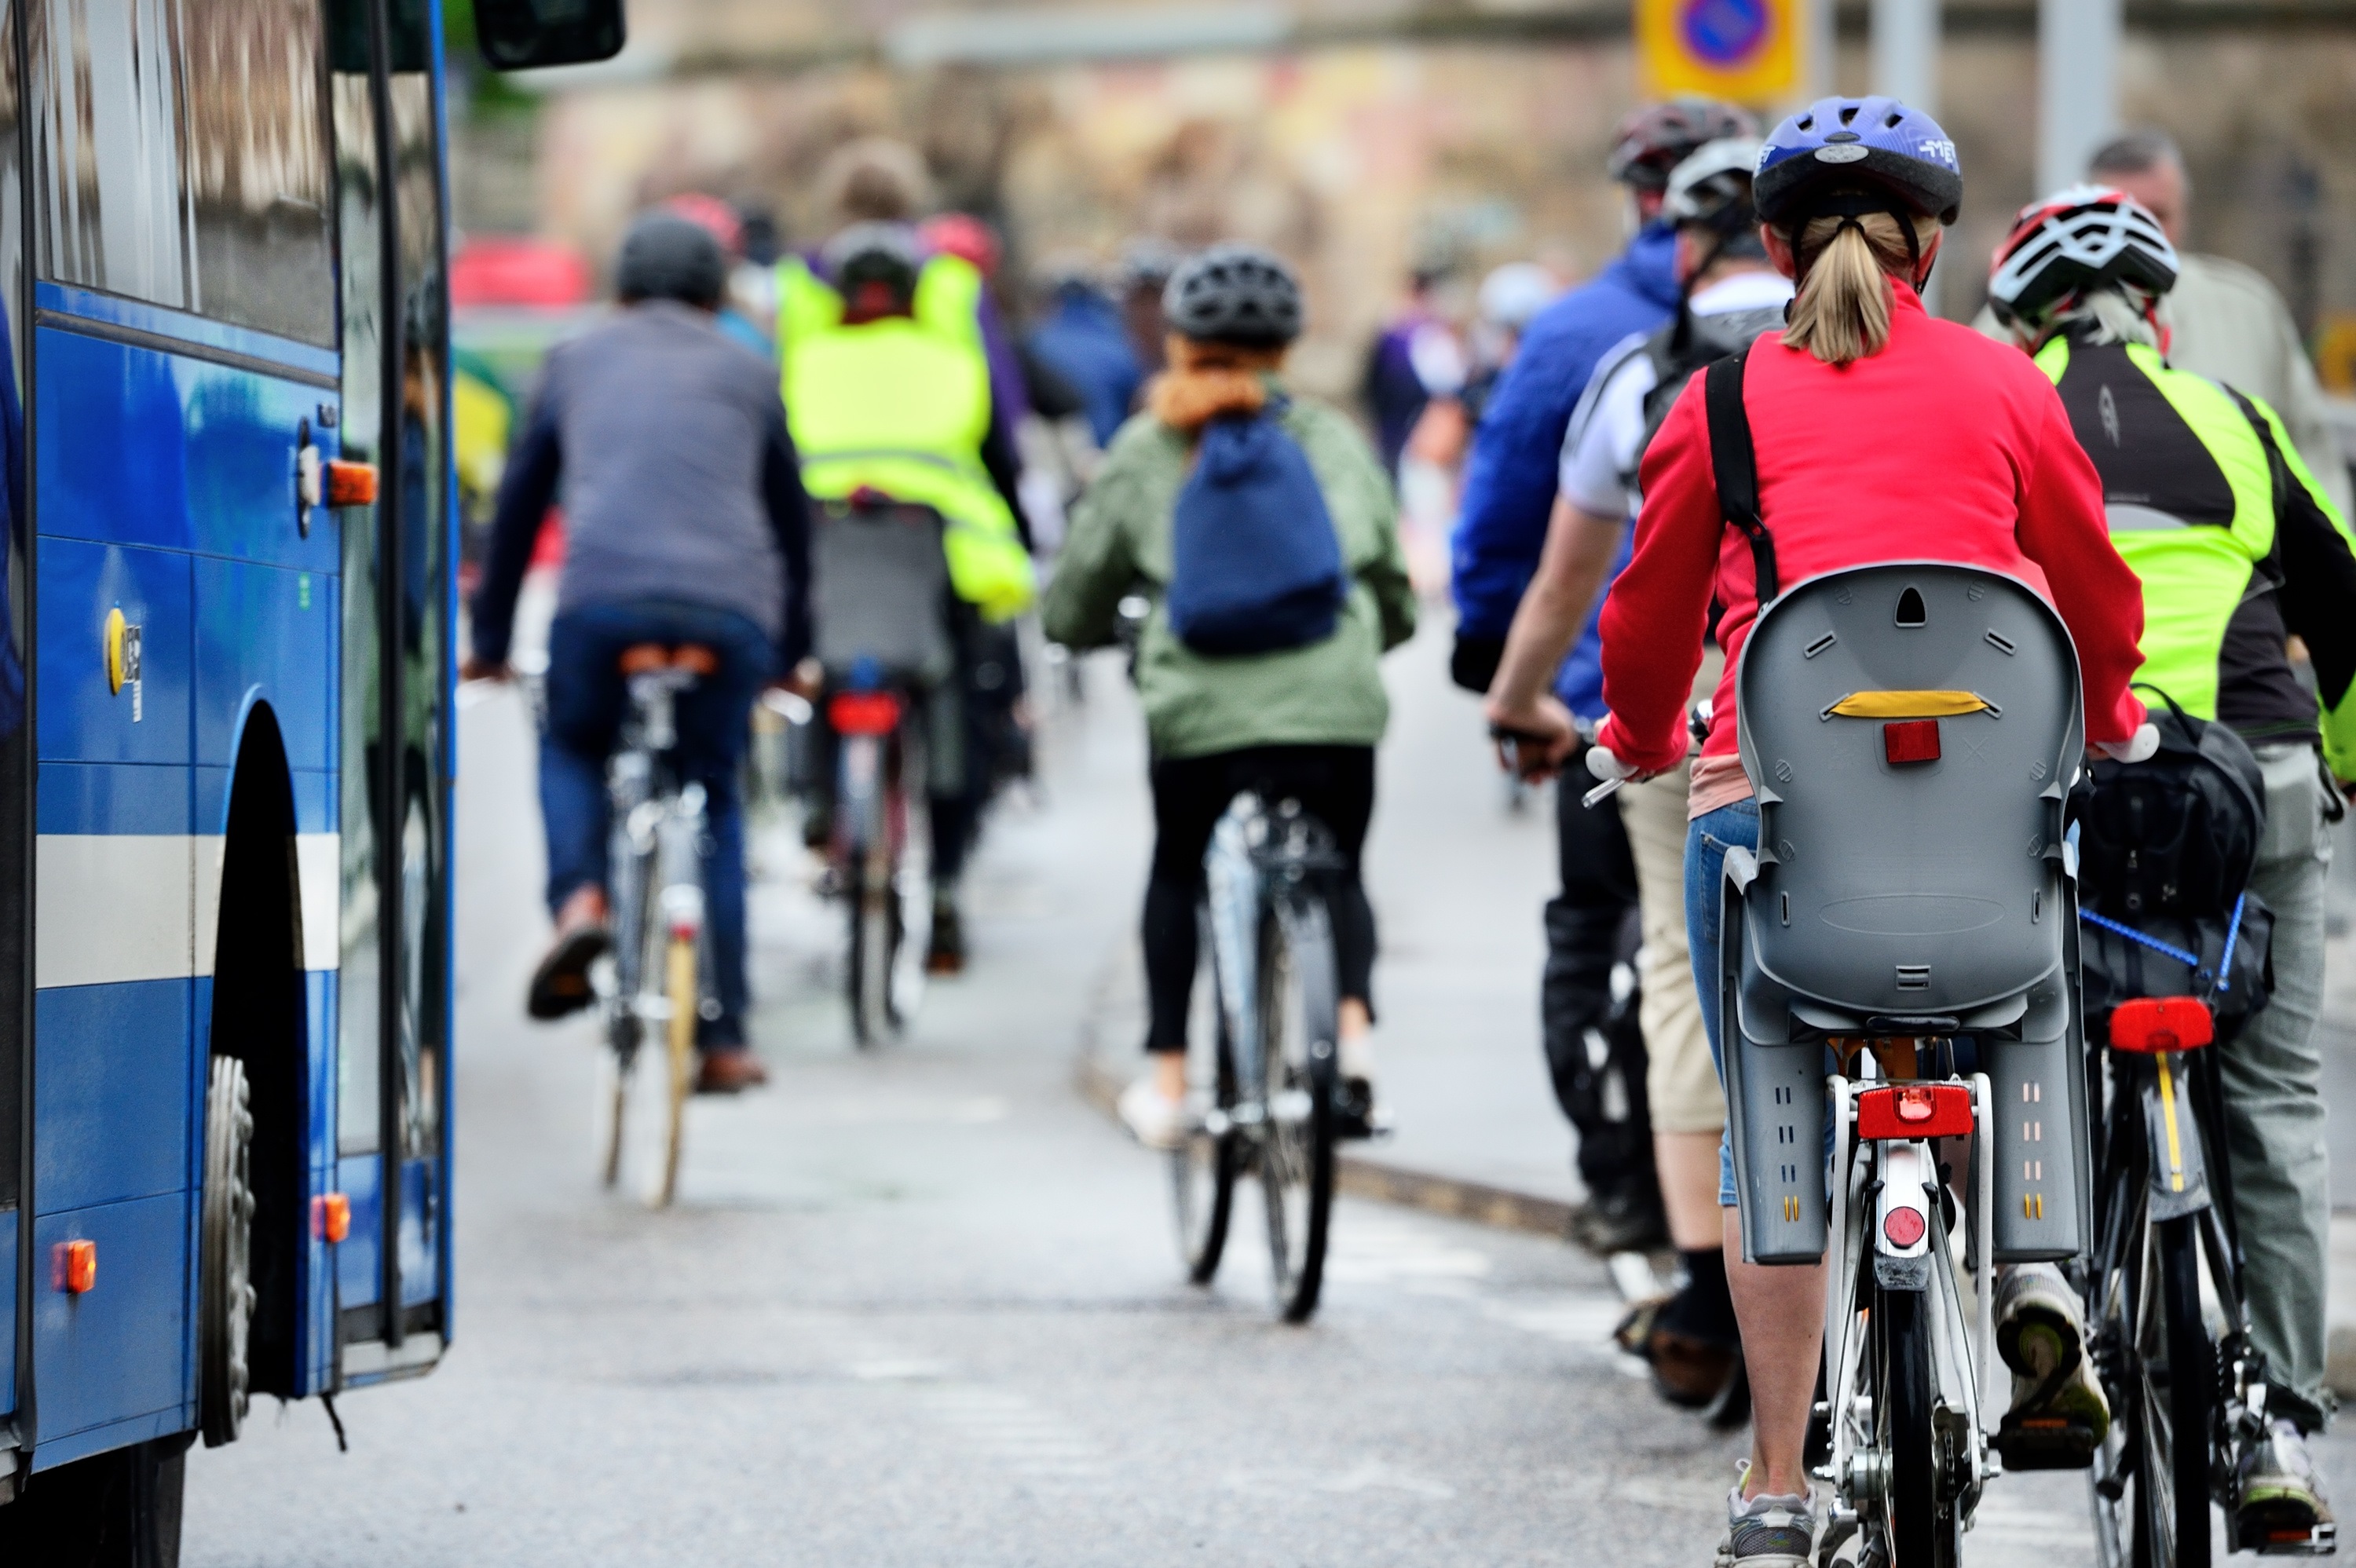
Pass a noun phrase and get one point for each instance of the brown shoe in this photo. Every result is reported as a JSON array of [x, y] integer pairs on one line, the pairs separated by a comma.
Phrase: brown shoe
[[1690, 1374], [730, 1073]]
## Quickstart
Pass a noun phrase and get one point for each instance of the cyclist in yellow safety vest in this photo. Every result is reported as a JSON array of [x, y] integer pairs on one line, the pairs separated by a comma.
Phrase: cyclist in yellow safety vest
[[887, 392]]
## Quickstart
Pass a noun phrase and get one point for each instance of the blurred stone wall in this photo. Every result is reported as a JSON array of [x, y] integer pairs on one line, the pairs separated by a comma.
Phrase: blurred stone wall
[[1357, 160]]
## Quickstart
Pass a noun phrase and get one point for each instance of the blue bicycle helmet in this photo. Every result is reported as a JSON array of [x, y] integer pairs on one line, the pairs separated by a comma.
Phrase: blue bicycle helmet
[[1852, 145]]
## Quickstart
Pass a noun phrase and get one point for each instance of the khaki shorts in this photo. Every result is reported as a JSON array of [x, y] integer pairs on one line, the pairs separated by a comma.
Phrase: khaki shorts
[[1679, 1077]]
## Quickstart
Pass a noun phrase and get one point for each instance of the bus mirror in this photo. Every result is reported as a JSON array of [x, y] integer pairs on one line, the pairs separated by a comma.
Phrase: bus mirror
[[517, 35]]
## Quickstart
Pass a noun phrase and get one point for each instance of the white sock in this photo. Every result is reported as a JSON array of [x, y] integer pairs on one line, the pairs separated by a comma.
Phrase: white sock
[[1358, 1056]]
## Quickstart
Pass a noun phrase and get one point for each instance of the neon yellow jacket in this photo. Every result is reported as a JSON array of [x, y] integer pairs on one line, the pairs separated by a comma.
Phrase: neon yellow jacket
[[902, 405]]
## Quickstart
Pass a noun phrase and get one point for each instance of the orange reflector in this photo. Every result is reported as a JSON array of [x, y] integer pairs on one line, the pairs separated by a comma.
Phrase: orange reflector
[[331, 1217], [863, 712], [1914, 1111], [73, 1266], [2152, 1024], [1915, 741], [350, 483], [1904, 1227]]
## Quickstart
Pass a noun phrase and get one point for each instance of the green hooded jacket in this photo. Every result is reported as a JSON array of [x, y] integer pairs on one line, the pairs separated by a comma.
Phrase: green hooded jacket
[[1328, 693]]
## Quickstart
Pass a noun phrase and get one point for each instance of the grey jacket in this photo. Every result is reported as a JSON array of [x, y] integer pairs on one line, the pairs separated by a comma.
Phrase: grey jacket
[[665, 441]]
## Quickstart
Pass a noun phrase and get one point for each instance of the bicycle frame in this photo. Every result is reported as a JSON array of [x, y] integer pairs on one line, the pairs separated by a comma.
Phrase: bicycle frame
[[1254, 863], [1873, 1177]]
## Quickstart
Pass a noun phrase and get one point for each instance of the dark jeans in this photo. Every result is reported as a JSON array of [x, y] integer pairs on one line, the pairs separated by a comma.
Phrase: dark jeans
[[1591, 926], [1334, 783], [587, 700]]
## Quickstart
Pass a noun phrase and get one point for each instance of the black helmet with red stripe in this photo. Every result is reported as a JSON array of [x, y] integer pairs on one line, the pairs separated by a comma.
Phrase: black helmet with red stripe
[[2072, 242], [1655, 139]]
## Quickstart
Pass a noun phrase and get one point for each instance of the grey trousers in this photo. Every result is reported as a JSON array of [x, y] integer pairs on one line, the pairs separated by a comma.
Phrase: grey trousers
[[2274, 1097]]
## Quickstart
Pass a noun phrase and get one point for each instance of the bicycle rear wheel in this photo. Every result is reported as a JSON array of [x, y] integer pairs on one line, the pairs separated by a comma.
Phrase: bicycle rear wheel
[[1297, 1017], [1920, 1526], [2180, 1395], [683, 989], [625, 1023], [1203, 1169]]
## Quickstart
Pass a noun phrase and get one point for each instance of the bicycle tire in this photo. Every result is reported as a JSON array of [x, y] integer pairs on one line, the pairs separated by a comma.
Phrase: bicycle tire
[[625, 1027], [1203, 1169], [1298, 1000], [2178, 1521], [1920, 1526]]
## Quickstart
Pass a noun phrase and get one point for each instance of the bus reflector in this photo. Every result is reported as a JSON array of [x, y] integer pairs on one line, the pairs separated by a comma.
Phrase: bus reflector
[[1914, 1111], [74, 1265], [331, 1216], [1915, 741], [350, 483], [2150, 1024], [863, 712]]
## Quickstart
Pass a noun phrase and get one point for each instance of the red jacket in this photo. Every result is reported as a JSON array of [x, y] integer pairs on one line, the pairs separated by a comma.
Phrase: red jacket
[[1944, 446]]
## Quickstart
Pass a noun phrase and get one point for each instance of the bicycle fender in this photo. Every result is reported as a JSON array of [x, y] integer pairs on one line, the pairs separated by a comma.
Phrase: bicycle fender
[[2177, 1165]]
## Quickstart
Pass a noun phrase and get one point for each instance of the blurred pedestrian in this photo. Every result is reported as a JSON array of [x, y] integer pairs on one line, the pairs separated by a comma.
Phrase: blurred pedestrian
[[1509, 495], [719, 219], [687, 524], [1081, 337], [1415, 358], [1146, 263]]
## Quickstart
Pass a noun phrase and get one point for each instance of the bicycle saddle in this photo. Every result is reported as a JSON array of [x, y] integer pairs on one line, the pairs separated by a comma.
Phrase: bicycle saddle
[[689, 658]]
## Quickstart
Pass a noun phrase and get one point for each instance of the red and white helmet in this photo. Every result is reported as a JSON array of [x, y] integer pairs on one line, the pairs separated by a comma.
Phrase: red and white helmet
[[2073, 241]]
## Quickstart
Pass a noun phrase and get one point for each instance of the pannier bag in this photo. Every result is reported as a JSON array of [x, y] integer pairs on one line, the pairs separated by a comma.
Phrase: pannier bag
[[1256, 566]]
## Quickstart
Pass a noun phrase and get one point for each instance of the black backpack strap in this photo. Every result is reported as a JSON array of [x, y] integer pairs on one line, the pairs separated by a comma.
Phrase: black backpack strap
[[1735, 467]]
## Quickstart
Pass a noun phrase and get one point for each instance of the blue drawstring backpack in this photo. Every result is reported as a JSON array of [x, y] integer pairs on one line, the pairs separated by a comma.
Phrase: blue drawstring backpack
[[1255, 565]]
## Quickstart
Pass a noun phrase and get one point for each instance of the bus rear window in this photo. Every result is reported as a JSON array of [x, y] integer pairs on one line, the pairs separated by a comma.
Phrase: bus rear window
[[180, 156]]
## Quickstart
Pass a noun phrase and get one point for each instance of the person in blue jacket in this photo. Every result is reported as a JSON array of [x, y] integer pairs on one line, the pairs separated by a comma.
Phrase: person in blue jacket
[[1509, 493], [1081, 337]]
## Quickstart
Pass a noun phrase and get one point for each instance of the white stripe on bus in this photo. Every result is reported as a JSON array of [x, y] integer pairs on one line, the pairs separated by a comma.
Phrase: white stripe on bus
[[118, 907]]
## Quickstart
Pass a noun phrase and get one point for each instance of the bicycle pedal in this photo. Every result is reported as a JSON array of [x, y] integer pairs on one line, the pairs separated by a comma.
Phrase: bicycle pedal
[[2044, 1442]]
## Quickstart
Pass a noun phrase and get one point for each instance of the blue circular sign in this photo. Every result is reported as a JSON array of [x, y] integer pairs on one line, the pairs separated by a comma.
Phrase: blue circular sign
[[1723, 32]]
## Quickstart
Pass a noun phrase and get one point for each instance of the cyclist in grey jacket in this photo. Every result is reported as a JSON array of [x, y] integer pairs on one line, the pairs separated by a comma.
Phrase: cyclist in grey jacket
[[685, 522]]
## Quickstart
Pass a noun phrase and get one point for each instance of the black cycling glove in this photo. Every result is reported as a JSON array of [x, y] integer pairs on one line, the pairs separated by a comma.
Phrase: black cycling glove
[[1474, 663]]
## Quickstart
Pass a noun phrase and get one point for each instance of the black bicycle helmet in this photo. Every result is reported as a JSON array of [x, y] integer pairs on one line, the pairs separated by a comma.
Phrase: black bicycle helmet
[[2073, 241], [875, 267], [666, 257], [1234, 294], [1839, 147], [1655, 139]]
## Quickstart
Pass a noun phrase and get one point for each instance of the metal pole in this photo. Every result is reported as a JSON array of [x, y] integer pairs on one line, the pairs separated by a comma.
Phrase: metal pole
[[1906, 66], [2077, 85], [1821, 69]]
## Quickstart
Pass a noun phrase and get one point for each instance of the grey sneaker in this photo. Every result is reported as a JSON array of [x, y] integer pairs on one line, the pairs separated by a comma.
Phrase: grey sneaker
[[2059, 1415], [1767, 1531], [2278, 1507]]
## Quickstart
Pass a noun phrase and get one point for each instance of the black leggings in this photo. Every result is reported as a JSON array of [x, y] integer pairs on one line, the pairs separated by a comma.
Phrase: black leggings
[[1334, 783]]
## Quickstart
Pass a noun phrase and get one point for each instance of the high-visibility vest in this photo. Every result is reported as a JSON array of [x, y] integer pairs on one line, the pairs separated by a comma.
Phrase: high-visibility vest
[[901, 405]]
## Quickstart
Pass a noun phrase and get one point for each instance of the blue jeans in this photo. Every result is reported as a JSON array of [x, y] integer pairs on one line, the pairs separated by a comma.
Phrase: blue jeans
[[587, 700], [1708, 838]]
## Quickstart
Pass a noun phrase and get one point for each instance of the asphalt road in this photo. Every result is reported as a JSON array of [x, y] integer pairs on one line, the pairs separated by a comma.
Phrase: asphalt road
[[921, 1305]]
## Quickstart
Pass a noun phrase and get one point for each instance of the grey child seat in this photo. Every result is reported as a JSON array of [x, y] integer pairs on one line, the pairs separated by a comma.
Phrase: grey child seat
[[879, 592], [1911, 731]]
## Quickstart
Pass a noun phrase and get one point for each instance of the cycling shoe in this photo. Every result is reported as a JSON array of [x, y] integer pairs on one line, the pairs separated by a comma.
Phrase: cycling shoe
[[2059, 1416], [561, 985], [1153, 1119], [1768, 1531], [2278, 1507]]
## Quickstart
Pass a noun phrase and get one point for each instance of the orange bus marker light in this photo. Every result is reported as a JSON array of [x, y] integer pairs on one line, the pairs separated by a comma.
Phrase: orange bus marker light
[[350, 483], [333, 1216], [74, 1265]]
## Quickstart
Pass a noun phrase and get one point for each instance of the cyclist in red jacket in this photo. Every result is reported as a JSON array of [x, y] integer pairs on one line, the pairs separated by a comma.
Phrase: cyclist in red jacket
[[1881, 434]]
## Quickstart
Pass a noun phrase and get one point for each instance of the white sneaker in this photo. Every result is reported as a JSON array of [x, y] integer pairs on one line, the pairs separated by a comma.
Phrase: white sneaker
[[1154, 1120]]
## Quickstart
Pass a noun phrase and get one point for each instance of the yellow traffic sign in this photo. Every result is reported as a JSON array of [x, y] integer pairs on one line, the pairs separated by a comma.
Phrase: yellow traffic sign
[[1747, 50]]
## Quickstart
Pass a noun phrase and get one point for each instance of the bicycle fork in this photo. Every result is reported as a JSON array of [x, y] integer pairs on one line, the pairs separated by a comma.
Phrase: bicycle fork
[[1887, 1226]]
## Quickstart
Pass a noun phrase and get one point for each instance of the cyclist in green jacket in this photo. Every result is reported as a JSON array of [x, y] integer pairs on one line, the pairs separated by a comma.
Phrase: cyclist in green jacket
[[1305, 720], [2239, 550]]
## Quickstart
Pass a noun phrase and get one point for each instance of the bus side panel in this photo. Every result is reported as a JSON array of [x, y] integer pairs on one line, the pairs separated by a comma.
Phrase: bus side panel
[[8, 1308], [118, 1351], [360, 1265], [318, 1356], [110, 1092]]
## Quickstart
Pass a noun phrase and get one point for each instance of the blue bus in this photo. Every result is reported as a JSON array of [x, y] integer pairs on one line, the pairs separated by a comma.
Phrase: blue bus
[[226, 618]]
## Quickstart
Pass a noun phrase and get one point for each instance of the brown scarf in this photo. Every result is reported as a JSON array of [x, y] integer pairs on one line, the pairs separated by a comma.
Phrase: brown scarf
[[1207, 379]]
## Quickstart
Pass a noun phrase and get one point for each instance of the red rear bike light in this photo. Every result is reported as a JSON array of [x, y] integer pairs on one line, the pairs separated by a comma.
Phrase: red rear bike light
[[2152, 1024], [1914, 1111], [863, 712], [1904, 1227], [1914, 741]]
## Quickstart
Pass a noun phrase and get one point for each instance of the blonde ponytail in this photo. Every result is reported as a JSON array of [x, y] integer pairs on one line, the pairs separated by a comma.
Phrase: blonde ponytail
[[1842, 313]]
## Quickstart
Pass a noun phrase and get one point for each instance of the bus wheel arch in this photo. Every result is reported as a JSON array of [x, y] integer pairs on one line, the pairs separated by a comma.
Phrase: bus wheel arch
[[254, 1230]]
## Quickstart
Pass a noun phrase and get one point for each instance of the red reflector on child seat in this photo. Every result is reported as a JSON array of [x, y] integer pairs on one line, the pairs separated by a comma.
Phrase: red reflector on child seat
[[1913, 741], [863, 712], [1904, 1227], [2162, 1023], [1914, 1111]]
